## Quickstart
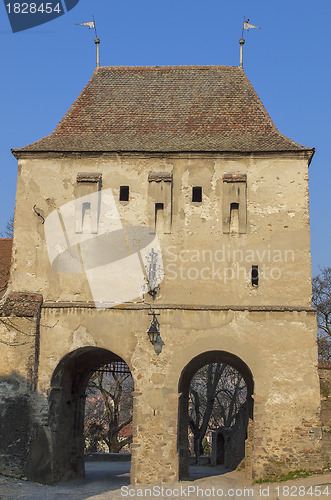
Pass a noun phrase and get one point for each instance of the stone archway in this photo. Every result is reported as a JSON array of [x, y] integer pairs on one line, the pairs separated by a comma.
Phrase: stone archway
[[67, 404], [183, 388]]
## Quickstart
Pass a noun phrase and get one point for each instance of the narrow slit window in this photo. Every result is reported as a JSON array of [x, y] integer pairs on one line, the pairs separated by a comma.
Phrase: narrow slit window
[[86, 217], [159, 215], [124, 193], [197, 194], [255, 275], [234, 218]]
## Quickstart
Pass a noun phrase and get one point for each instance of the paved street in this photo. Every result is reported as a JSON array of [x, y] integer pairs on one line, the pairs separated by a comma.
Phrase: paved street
[[111, 481]]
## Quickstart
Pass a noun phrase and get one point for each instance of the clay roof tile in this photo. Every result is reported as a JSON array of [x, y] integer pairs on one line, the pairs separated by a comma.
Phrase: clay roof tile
[[5, 260], [166, 108]]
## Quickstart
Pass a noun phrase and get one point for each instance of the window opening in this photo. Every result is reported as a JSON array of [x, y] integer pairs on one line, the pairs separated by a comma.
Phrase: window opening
[[160, 201], [215, 417], [86, 217], [109, 410], [124, 193], [197, 194], [234, 217], [255, 275], [159, 216]]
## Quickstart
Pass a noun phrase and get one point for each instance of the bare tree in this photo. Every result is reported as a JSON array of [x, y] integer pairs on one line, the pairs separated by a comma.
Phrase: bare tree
[[322, 302], [108, 411], [9, 229], [5, 258], [8, 323], [217, 392]]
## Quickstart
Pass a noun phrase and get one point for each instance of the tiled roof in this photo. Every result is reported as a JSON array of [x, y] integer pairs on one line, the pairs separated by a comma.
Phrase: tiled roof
[[324, 364], [5, 259], [126, 431], [166, 108]]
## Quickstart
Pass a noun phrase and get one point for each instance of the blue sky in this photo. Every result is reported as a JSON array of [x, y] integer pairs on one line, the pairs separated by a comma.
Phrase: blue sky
[[288, 62]]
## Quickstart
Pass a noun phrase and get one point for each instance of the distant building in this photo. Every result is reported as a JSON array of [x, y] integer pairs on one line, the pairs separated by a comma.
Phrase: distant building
[[5, 257]]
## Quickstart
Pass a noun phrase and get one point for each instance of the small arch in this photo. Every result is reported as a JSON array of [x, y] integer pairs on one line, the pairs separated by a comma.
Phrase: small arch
[[183, 388]]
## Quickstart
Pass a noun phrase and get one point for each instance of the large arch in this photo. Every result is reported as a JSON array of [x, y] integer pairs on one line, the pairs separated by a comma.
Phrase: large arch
[[183, 388], [66, 410]]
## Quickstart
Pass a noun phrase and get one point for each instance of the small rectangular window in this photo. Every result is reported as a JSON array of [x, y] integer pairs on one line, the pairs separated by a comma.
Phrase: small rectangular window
[[124, 193], [158, 208], [255, 275], [197, 194]]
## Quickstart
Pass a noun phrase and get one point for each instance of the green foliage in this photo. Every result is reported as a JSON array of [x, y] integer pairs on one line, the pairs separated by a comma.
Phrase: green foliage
[[296, 474], [206, 447]]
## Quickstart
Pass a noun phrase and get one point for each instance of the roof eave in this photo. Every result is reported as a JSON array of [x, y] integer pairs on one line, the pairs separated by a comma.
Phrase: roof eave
[[23, 153]]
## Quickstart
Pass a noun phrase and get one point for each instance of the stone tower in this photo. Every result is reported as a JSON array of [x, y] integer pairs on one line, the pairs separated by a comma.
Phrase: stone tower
[[165, 190]]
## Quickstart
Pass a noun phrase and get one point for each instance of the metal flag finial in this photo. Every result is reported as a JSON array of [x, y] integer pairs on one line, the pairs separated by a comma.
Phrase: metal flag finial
[[246, 26], [92, 25]]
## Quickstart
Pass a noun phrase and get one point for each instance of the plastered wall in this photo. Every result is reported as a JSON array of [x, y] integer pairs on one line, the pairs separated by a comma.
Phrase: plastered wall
[[206, 302], [197, 254]]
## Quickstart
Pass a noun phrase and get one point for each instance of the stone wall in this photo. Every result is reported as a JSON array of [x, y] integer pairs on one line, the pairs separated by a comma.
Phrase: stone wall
[[19, 354], [229, 450], [199, 268], [235, 450], [324, 370], [50, 376]]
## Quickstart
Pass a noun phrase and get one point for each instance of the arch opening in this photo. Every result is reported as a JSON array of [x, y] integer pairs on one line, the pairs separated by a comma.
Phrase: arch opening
[[67, 408], [215, 413], [109, 411]]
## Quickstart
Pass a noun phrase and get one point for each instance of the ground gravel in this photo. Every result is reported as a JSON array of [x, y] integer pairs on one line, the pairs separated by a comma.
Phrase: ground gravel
[[111, 481]]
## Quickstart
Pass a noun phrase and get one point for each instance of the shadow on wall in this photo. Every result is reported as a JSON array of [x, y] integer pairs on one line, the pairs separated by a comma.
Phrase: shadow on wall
[[16, 427]]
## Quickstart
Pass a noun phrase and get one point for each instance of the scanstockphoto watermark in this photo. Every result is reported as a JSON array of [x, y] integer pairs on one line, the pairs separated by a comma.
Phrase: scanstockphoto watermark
[[225, 263], [223, 274], [195, 491], [186, 491], [228, 254], [120, 262]]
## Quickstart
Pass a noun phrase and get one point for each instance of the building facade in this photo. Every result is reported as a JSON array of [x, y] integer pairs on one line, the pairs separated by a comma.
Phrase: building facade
[[163, 190]]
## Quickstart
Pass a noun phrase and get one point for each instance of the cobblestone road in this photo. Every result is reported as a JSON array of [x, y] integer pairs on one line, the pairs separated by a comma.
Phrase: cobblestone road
[[111, 481]]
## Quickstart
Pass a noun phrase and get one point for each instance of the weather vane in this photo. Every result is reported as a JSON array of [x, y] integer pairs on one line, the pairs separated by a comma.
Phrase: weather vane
[[91, 25], [246, 26]]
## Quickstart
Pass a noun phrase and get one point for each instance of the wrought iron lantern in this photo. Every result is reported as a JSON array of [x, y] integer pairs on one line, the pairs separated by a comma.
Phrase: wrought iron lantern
[[154, 334]]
